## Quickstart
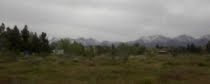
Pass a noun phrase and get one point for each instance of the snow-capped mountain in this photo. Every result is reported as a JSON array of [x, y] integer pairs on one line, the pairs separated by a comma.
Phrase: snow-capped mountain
[[152, 41], [93, 42], [87, 42], [181, 40], [203, 40], [185, 39]]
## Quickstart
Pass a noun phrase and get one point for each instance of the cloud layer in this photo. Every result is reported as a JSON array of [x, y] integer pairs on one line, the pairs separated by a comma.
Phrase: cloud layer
[[115, 20]]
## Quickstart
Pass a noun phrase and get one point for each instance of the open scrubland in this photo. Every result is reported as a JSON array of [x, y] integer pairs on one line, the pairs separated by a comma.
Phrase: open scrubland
[[142, 69]]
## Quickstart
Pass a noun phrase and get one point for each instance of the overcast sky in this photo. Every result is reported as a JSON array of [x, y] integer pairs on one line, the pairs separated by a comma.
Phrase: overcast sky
[[114, 20]]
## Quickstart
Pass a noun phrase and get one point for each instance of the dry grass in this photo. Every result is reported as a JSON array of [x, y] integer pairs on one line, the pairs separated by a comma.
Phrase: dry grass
[[190, 69]]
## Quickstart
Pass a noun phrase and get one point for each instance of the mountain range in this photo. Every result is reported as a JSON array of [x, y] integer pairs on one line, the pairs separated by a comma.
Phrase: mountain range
[[152, 41]]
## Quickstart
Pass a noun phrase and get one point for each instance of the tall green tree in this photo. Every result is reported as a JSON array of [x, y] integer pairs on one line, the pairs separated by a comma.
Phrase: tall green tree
[[8, 38], [16, 39], [35, 43], [25, 36], [2, 36], [77, 49], [44, 42], [63, 44]]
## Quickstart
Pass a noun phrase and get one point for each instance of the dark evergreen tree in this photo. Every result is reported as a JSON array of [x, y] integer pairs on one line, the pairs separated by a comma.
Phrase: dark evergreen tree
[[16, 39], [35, 43], [2, 37], [8, 38], [8, 30], [25, 41], [25, 36], [45, 47]]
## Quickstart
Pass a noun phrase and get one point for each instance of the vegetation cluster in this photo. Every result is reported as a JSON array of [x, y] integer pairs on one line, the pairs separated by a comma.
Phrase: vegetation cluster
[[13, 40], [29, 58]]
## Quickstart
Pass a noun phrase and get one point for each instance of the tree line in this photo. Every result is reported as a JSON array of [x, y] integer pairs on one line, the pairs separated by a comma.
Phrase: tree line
[[73, 48], [15, 40]]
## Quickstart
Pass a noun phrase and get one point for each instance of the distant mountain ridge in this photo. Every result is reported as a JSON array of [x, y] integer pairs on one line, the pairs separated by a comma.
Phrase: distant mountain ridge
[[181, 40], [152, 41]]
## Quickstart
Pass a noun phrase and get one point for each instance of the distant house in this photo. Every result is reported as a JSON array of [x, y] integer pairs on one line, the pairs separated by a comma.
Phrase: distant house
[[58, 51], [163, 51]]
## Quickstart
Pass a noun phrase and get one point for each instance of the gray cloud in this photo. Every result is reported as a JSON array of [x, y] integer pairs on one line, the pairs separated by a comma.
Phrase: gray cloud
[[120, 20]]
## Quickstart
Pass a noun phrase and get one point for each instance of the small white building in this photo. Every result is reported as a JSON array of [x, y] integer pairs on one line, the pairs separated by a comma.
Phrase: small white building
[[58, 51]]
